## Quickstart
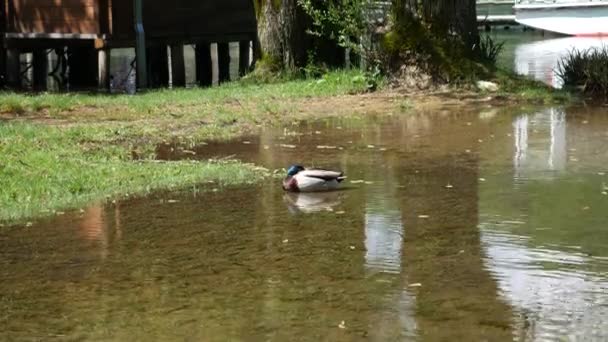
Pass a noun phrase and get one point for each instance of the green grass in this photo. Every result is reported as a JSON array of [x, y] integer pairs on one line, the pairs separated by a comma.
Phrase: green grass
[[166, 101], [521, 88], [44, 169]]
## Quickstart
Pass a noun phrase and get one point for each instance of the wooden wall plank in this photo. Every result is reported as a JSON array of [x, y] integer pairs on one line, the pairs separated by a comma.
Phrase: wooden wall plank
[[181, 19]]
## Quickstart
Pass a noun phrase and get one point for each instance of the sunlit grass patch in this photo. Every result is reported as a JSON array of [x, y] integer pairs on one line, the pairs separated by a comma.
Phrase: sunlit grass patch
[[45, 168]]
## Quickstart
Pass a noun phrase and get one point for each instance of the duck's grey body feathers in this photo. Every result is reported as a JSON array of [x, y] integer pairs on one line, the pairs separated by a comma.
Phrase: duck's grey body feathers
[[313, 180]]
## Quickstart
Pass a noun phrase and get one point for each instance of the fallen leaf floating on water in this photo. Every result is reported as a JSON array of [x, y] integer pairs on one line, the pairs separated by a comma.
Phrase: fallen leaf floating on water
[[341, 212], [326, 147], [352, 248], [415, 285], [604, 193], [369, 183], [586, 208], [286, 241], [266, 147], [585, 122], [601, 173], [246, 142], [449, 186], [371, 146], [288, 146], [482, 179], [383, 149], [423, 216], [358, 181], [342, 325], [29, 224], [318, 132], [172, 201]]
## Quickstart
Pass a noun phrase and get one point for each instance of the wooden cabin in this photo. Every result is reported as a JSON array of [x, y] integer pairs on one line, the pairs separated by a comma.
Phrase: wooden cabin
[[89, 29]]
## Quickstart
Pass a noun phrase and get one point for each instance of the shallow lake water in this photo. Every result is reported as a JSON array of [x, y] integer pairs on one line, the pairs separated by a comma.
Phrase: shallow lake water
[[460, 225]]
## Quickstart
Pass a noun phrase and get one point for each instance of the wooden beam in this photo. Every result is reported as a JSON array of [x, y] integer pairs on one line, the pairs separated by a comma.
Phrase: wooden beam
[[178, 66], [13, 69], [140, 45], [223, 62], [204, 64], [41, 69], [103, 70], [158, 66], [3, 64], [83, 65], [244, 57]]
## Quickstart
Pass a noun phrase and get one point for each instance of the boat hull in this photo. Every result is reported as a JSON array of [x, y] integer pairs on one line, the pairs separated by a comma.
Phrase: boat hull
[[574, 19]]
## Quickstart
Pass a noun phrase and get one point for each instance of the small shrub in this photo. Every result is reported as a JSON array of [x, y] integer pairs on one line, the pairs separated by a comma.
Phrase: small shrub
[[586, 70]]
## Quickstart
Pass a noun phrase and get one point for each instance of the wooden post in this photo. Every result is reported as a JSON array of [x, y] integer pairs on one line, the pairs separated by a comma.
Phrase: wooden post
[[3, 64], [223, 62], [41, 69], [140, 45], [158, 66], [13, 69], [204, 65], [83, 65], [178, 67], [244, 57], [103, 69]]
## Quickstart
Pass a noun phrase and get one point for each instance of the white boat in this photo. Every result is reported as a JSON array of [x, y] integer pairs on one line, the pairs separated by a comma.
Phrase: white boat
[[575, 18]]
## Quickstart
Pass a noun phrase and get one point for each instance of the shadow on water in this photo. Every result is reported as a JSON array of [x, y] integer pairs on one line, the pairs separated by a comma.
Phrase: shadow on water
[[476, 225]]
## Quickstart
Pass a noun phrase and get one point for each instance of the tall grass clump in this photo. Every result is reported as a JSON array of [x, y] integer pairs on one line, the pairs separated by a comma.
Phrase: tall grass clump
[[586, 70], [489, 50]]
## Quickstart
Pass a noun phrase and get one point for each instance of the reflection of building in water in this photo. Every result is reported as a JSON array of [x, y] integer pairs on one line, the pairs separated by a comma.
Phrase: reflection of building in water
[[383, 233], [521, 140], [383, 241], [553, 302], [540, 142], [96, 228]]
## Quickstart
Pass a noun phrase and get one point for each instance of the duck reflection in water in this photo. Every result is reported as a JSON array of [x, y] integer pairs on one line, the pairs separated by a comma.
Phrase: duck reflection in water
[[313, 202]]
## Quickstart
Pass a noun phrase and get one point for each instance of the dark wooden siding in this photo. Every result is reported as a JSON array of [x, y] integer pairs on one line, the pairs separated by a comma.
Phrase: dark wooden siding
[[54, 16], [186, 19], [215, 20]]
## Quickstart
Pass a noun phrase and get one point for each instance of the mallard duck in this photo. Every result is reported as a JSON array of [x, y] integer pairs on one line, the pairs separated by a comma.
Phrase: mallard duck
[[300, 179]]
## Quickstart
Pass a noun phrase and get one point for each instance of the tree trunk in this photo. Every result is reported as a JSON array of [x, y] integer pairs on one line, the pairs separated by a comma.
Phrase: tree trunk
[[281, 32], [443, 17]]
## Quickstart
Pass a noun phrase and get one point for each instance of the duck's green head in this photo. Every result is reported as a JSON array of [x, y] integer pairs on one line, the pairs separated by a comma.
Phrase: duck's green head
[[294, 169]]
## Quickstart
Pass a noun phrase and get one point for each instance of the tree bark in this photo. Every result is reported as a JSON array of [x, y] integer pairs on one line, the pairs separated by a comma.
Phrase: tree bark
[[281, 31], [442, 17]]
